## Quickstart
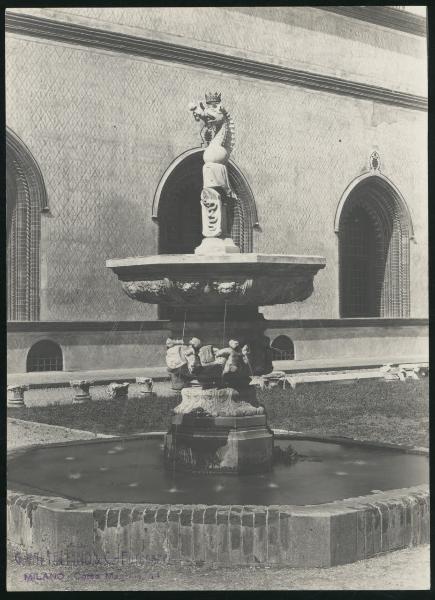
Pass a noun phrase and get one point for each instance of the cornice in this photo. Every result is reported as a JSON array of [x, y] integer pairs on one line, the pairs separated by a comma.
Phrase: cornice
[[380, 322], [85, 326], [73, 33], [163, 325], [386, 16]]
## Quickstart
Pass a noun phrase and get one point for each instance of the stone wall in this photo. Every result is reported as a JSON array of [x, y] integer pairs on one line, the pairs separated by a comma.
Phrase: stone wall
[[84, 348], [104, 127], [111, 345]]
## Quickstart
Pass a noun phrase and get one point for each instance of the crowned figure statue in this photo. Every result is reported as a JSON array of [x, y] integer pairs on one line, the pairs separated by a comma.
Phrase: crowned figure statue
[[218, 139]]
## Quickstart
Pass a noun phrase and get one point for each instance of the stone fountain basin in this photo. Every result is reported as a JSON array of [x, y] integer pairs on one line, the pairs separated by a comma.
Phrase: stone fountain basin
[[114, 499], [202, 280]]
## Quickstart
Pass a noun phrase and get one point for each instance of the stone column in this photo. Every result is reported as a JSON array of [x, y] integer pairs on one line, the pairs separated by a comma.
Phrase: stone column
[[146, 385], [81, 390], [15, 395]]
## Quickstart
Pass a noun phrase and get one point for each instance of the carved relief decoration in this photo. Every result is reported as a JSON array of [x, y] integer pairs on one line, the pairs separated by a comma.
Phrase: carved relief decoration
[[375, 161], [262, 290]]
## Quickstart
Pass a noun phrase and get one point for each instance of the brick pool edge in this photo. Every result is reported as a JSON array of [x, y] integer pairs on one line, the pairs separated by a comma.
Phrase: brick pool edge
[[336, 533]]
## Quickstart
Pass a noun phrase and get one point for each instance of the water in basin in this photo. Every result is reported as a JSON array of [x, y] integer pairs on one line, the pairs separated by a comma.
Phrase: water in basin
[[133, 471]]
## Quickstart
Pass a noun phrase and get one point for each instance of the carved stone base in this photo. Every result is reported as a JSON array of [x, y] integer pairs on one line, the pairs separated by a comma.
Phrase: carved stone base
[[219, 444], [215, 245], [214, 402]]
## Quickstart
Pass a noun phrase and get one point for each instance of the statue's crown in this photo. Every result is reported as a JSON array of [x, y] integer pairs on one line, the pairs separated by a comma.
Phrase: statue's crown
[[212, 97]]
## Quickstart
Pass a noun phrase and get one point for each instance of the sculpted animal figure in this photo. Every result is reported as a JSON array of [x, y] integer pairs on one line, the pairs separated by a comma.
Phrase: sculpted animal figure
[[218, 133]]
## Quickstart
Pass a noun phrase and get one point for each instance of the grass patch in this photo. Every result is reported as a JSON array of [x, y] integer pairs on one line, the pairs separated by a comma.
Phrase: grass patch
[[369, 409], [123, 416]]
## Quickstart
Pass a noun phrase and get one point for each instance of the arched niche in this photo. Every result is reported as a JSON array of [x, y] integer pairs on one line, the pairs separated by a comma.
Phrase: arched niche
[[44, 355], [282, 348], [177, 208], [374, 228], [26, 197]]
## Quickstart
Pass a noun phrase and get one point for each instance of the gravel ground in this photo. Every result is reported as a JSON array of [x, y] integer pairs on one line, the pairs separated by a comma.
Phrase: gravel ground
[[405, 569], [25, 433], [402, 570]]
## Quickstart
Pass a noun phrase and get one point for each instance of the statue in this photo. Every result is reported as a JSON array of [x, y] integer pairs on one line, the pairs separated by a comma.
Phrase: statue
[[218, 138], [217, 133], [236, 369], [177, 363], [211, 366]]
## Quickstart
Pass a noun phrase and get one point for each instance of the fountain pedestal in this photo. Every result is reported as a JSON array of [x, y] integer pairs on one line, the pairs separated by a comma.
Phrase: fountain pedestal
[[218, 425], [233, 444]]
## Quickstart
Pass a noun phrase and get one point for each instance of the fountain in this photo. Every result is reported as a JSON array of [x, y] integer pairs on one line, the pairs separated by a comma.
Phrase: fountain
[[325, 502], [219, 425]]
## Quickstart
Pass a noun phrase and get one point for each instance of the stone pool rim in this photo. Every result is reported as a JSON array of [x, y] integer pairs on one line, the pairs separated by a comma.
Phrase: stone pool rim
[[322, 535]]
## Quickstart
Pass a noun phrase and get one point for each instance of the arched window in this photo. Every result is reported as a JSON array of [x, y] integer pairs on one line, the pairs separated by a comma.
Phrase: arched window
[[374, 231], [282, 348], [25, 198], [45, 355]]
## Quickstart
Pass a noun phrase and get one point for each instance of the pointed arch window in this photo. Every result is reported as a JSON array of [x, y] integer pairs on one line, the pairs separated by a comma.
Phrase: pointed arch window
[[374, 236], [25, 198]]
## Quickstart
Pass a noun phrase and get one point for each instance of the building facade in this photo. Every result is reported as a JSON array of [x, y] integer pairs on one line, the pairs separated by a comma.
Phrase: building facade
[[104, 161]]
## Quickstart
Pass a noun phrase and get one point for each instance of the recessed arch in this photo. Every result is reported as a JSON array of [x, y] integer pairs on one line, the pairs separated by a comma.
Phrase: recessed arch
[[44, 355], [177, 209], [388, 184], [190, 160], [374, 228], [26, 197], [282, 348]]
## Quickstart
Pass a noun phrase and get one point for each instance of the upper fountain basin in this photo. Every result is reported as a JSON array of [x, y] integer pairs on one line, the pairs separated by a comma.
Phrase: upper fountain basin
[[202, 280]]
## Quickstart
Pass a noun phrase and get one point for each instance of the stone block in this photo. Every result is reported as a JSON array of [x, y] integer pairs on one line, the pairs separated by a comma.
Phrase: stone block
[[284, 538], [58, 530], [260, 537], [373, 530], [158, 542], [309, 541], [186, 542], [235, 522], [273, 545], [198, 536], [223, 536], [343, 536], [174, 535], [117, 390], [211, 543], [137, 537], [247, 538]]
